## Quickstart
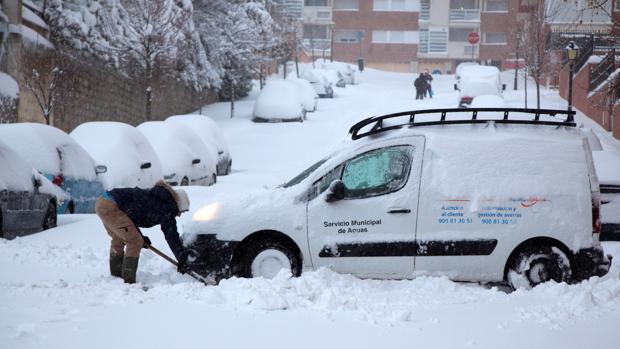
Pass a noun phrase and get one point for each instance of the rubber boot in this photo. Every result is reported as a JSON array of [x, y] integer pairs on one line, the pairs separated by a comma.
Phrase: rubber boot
[[130, 267], [116, 265]]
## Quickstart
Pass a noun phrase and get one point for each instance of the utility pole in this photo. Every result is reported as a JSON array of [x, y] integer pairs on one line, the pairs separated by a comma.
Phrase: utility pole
[[572, 55], [517, 60], [525, 83]]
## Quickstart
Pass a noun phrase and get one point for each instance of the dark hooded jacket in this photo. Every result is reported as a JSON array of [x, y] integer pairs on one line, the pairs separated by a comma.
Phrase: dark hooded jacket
[[150, 207]]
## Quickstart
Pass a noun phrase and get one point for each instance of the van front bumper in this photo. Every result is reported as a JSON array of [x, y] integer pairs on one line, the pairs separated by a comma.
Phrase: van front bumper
[[213, 257], [591, 262]]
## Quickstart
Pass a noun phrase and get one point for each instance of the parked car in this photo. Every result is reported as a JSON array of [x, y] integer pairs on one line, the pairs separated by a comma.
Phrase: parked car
[[321, 85], [607, 165], [184, 157], [309, 98], [477, 81], [24, 208], [461, 66], [279, 101], [345, 70], [60, 159], [332, 76], [405, 196], [128, 156], [211, 135]]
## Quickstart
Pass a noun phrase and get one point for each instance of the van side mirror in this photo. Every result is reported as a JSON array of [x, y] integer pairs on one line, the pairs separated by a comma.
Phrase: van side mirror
[[195, 161], [503, 87], [99, 169], [145, 165], [336, 191]]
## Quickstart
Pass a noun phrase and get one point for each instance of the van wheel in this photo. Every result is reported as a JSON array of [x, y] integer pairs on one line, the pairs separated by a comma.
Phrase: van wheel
[[51, 217], [184, 182], [534, 265], [265, 258]]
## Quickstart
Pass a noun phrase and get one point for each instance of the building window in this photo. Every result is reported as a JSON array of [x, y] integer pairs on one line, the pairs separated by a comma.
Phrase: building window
[[395, 37], [434, 40], [346, 5], [425, 9], [315, 31], [316, 2], [495, 38], [617, 5], [396, 5], [463, 4], [460, 34], [346, 36], [497, 6]]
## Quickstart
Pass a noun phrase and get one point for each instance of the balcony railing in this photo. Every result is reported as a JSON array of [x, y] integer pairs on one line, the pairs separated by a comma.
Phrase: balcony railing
[[465, 15]]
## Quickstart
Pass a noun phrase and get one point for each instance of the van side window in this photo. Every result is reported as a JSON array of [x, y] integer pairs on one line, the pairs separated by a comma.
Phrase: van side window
[[377, 172]]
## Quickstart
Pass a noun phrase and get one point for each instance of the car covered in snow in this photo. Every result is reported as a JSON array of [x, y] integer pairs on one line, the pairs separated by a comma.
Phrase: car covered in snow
[[461, 66], [607, 163], [345, 70], [488, 101], [321, 85], [279, 101], [211, 135], [185, 159], [309, 98], [332, 76], [27, 201], [512, 197], [477, 81], [128, 156], [61, 160]]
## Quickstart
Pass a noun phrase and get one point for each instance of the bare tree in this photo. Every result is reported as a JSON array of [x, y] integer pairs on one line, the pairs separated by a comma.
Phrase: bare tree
[[42, 75]]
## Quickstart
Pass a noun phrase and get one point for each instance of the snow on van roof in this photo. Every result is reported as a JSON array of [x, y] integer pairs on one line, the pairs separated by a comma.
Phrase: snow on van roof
[[43, 145], [15, 172], [480, 71], [122, 149]]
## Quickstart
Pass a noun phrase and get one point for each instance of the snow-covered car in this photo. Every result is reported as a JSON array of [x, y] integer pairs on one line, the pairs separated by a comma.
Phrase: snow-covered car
[[459, 68], [128, 156], [211, 135], [306, 92], [607, 165], [474, 200], [321, 85], [279, 101], [24, 207], [477, 81], [332, 76], [488, 101], [60, 159], [346, 70], [185, 159]]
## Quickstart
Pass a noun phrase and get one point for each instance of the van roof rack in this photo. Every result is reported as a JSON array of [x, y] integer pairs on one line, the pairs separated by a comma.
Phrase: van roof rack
[[504, 119]]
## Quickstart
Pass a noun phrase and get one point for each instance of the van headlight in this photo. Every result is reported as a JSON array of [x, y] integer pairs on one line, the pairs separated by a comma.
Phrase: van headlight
[[207, 213]]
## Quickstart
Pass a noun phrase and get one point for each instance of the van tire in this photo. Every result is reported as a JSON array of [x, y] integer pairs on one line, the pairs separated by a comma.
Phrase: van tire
[[184, 182], [536, 264], [265, 246]]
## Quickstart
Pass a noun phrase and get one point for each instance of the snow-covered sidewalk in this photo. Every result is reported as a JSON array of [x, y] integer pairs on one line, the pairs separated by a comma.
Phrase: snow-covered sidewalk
[[57, 293]]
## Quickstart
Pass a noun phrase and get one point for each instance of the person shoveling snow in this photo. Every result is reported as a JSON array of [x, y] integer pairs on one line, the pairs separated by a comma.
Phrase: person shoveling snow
[[124, 210]]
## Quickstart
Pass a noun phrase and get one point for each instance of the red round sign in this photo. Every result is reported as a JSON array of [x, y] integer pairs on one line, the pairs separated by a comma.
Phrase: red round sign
[[473, 38]]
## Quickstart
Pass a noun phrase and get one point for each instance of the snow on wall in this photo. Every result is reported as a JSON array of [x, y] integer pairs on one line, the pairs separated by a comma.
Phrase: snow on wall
[[15, 172], [8, 86]]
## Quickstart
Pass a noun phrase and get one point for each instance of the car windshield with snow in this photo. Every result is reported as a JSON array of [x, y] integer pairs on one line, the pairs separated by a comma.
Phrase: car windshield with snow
[[413, 193]]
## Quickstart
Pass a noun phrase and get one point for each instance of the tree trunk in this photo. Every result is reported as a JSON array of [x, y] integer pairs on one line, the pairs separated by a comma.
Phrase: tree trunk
[[537, 94], [232, 100], [260, 76], [148, 91]]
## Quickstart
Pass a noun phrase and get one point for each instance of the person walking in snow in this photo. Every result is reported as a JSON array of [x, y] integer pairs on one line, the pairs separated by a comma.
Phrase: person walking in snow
[[429, 88], [420, 87], [124, 210]]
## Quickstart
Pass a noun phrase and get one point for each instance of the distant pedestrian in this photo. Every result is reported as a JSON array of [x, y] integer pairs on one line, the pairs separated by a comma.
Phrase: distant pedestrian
[[124, 210], [429, 88], [420, 87]]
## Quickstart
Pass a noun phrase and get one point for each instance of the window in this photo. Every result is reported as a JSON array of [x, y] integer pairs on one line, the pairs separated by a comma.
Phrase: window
[[463, 4], [425, 9], [495, 38], [460, 34], [377, 172], [395, 37], [396, 5], [316, 2], [617, 5], [346, 5], [315, 31], [300, 177], [497, 5], [346, 36], [436, 40]]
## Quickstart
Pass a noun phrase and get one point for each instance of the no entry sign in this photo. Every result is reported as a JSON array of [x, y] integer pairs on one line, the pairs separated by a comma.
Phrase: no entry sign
[[473, 38]]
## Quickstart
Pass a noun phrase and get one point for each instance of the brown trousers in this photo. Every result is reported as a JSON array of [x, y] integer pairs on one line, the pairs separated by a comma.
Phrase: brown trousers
[[120, 227]]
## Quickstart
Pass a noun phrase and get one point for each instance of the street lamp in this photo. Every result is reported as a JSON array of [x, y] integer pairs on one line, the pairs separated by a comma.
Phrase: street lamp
[[571, 51]]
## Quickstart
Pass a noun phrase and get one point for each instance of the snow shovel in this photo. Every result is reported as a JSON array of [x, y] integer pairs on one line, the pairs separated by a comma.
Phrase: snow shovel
[[190, 272]]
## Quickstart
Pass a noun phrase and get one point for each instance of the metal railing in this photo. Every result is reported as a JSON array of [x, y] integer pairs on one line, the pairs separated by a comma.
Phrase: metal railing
[[603, 70], [464, 15]]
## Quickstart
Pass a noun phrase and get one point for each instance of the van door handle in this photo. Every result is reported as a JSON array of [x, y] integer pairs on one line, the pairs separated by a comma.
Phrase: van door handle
[[400, 210]]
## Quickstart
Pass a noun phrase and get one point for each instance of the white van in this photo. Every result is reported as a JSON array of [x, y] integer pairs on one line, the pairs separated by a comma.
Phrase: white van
[[477, 81], [476, 197]]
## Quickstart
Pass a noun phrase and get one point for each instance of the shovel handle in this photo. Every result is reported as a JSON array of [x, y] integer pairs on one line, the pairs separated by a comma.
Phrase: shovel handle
[[176, 264]]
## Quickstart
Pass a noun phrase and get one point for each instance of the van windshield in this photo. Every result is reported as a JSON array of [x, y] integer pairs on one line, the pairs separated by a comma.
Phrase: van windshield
[[300, 177]]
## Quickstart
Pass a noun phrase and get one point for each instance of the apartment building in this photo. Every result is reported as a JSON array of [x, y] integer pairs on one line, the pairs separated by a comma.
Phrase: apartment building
[[317, 27]]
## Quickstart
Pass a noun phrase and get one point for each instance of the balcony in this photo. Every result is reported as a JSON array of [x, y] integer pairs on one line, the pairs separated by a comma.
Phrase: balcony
[[464, 15]]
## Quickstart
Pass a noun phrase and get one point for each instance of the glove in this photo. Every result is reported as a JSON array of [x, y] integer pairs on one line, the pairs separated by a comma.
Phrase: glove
[[182, 262], [147, 242]]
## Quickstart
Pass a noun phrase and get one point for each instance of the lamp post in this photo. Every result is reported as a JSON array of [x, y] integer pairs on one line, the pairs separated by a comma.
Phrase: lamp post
[[571, 51], [518, 37]]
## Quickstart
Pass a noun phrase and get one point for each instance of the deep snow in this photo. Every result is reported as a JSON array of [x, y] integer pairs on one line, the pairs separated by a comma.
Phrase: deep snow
[[56, 291]]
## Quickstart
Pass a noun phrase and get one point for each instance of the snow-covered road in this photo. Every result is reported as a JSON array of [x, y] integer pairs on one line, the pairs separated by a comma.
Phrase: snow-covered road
[[56, 292]]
